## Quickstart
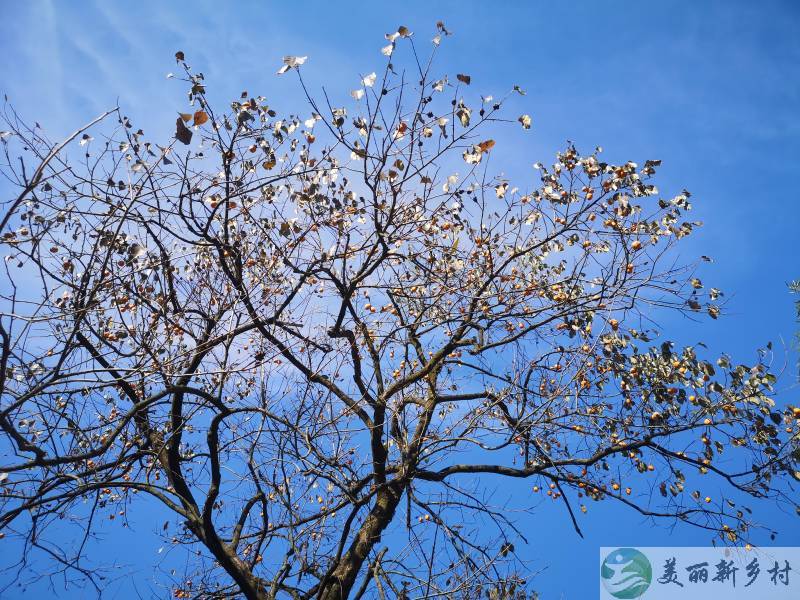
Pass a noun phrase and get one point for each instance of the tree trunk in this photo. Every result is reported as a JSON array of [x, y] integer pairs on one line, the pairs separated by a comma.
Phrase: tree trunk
[[343, 579]]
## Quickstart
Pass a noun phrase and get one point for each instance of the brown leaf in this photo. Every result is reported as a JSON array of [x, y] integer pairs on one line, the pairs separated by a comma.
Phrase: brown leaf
[[183, 134], [200, 117], [186, 117], [464, 78], [179, 56], [485, 146]]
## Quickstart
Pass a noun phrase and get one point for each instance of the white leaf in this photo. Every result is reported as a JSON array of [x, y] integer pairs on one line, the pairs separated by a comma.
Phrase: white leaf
[[291, 62], [526, 121], [442, 122], [451, 181], [357, 94], [369, 80], [473, 155]]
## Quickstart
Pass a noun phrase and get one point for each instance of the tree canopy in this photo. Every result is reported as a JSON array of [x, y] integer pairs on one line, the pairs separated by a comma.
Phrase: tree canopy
[[315, 339]]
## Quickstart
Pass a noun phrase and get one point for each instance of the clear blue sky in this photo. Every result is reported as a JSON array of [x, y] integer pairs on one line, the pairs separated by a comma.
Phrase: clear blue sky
[[712, 88]]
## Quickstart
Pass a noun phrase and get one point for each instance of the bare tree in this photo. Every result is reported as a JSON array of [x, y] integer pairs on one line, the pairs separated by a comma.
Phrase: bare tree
[[316, 339]]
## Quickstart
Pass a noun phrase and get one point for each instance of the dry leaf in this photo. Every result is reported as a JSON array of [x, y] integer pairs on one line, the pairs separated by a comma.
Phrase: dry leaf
[[200, 117], [464, 78], [183, 134], [463, 115]]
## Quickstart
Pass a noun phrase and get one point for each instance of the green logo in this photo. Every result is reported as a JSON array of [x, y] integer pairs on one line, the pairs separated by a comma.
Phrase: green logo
[[626, 573]]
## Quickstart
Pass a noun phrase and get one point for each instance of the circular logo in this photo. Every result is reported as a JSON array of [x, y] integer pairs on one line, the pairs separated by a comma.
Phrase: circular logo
[[626, 573]]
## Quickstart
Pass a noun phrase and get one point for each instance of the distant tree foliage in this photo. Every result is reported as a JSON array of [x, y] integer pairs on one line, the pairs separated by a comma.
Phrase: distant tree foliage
[[317, 341]]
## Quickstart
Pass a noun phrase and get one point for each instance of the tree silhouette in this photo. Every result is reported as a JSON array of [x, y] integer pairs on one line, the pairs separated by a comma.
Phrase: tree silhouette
[[315, 339]]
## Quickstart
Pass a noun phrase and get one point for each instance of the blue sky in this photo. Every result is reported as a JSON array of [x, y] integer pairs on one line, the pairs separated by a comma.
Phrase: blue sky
[[711, 88]]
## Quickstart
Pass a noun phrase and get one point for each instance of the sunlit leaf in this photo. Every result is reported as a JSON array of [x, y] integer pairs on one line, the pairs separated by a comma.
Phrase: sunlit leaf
[[439, 84], [473, 155], [291, 62], [463, 113], [526, 121], [442, 122], [200, 117], [369, 80], [449, 183]]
